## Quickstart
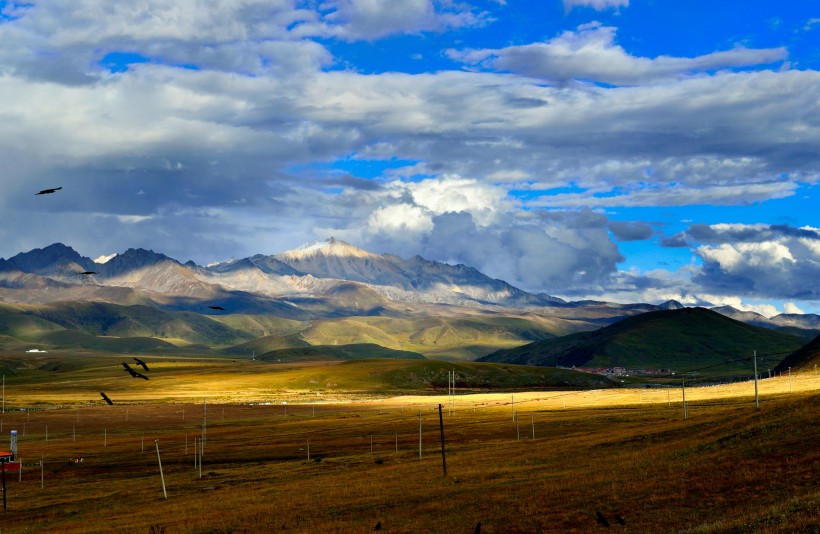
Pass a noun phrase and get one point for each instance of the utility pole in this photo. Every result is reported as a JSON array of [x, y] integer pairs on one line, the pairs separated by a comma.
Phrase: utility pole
[[204, 421], [161, 476], [757, 399], [441, 425], [419, 435]]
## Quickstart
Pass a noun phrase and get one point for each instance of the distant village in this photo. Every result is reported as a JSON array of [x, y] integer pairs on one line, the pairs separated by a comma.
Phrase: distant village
[[623, 371]]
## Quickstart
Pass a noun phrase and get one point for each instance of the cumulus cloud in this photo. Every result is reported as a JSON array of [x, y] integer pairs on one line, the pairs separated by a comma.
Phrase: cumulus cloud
[[791, 307], [590, 53], [66, 41], [760, 260], [630, 230], [372, 19], [598, 5], [538, 251]]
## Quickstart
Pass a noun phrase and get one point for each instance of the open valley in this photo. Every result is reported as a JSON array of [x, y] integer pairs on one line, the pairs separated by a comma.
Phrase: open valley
[[285, 453]]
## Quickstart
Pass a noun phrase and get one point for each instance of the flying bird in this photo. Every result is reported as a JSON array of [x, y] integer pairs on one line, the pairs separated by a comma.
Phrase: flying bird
[[140, 375], [48, 191], [217, 308], [129, 369], [86, 273], [106, 399], [142, 363]]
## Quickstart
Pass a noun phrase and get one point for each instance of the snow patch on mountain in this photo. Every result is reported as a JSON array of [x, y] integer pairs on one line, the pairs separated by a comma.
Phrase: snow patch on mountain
[[105, 259]]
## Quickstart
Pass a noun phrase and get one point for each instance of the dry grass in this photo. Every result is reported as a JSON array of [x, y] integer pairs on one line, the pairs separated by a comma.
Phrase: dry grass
[[728, 467]]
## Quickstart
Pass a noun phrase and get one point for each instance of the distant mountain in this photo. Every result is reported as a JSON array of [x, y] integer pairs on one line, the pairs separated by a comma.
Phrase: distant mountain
[[806, 357], [688, 339], [325, 271], [322, 281], [804, 325], [55, 261]]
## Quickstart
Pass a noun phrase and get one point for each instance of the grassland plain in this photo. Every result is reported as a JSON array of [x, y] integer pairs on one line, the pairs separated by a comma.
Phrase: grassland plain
[[543, 461]]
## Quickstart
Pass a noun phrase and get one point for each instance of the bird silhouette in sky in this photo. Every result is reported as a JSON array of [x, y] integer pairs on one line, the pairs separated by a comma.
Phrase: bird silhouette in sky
[[132, 372], [48, 191], [86, 273], [106, 399], [217, 308], [142, 363]]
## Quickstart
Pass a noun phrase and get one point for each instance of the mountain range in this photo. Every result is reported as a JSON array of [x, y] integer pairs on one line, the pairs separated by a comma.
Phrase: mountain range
[[296, 283], [263, 283], [328, 293]]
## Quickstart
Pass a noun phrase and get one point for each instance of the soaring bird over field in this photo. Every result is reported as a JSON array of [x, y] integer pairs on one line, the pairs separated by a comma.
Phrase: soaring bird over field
[[217, 308], [142, 363], [106, 399], [48, 191], [86, 273], [133, 373]]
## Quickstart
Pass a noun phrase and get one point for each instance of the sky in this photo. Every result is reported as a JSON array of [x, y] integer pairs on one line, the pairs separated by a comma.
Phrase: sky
[[620, 150]]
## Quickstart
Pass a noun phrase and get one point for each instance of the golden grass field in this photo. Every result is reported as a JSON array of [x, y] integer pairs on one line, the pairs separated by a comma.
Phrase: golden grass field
[[345, 461]]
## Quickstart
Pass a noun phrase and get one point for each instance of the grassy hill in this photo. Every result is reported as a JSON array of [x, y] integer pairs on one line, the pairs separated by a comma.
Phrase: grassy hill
[[679, 340], [482, 376], [451, 338], [456, 337], [72, 339], [337, 352], [806, 357]]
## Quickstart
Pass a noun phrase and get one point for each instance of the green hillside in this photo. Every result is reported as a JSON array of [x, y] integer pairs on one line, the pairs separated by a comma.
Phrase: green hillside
[[399, 375], [72, 339], [679, 340], [806, 357], [443, 337], [452, 338], [337, 352], [23, 326], [42, 324], [478, 376], [265, 344]]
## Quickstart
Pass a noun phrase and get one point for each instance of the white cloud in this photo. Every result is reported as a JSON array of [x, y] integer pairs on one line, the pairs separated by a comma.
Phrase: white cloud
[[792, 308], [760, 260], [399, 220], [731, 258], [455, 194], [591, 54], [599, 5], [372, 19]]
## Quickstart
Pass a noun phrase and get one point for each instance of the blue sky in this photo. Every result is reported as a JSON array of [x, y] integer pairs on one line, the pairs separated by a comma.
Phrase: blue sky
[[619, 150]]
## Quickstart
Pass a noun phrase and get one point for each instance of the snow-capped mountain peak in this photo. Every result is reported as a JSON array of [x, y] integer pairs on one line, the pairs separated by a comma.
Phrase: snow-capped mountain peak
[[105, 259], [328, 247]]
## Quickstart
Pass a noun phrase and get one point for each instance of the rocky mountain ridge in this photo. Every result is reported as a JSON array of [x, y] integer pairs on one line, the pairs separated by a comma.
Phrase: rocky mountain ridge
[[330, 277]]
